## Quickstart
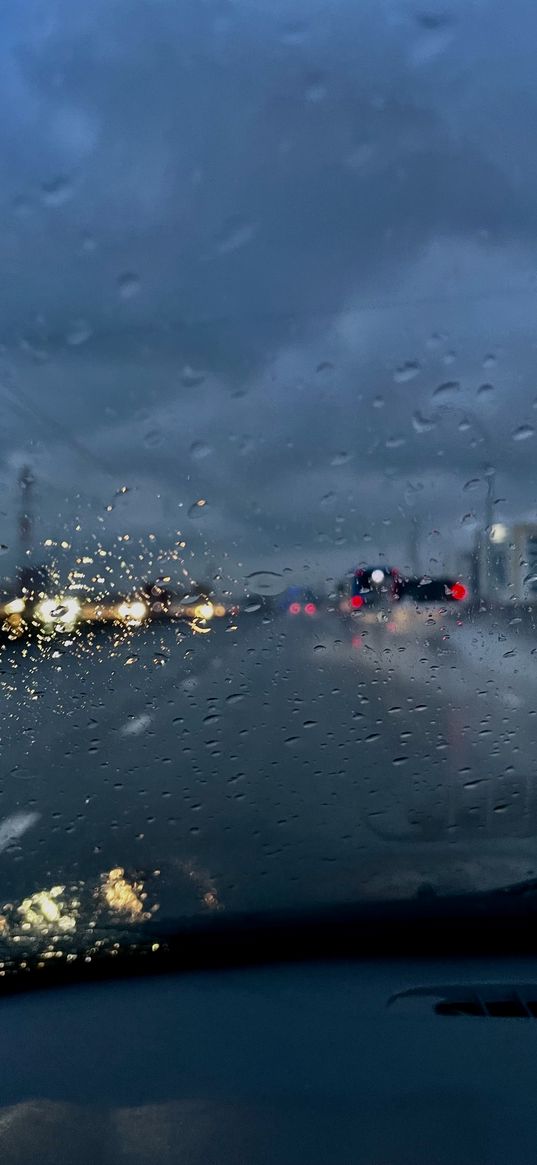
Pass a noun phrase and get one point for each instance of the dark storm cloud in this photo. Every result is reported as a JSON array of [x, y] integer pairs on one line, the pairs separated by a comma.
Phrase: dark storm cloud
[[224, 228]]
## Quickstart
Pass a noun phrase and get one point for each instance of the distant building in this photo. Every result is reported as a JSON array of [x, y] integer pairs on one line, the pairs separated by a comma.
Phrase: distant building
[[506, 564]]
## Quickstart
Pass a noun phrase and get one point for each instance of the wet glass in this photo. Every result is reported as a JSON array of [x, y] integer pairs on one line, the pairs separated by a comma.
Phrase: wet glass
[[268, 487]]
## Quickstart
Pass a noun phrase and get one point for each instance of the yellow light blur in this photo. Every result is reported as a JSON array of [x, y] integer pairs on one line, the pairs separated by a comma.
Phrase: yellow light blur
[[60, 610], [498, 532], [204, 610], [134, 611], [123, 896], [15, 607], [46, 909], [219, 610]]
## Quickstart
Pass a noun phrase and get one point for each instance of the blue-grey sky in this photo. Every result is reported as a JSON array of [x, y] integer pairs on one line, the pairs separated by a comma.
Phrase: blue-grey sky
[[282, 257]]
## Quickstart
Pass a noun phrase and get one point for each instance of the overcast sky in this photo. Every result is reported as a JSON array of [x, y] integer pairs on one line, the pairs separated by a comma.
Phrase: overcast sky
[[278, 256]]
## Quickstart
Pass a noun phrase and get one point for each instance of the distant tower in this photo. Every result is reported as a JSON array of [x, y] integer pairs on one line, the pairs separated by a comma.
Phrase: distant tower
[[32, 579], [26, 485], [414, 532]]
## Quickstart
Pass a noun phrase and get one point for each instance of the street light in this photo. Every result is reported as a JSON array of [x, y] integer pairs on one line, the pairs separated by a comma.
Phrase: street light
[[498, 532]]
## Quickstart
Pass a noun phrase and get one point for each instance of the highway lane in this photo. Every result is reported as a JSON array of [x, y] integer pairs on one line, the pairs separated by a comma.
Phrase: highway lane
[[280, 763]]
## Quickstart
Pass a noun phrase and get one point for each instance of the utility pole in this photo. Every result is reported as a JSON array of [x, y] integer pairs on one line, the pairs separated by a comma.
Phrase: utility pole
[[26, 484], [485, 549], [413, 546]]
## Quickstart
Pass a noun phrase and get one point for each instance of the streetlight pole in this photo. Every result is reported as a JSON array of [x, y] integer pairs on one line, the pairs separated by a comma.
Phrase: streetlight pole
[[490, 474]]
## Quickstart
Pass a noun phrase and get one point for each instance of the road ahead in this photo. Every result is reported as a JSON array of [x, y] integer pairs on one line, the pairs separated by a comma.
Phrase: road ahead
[[277, 763]]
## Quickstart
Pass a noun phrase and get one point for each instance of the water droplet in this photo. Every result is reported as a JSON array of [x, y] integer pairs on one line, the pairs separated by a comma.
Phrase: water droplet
[[234, 698], [3, 548], [78, 333], [130, 660], [340, 458], [473, 483], [197, 508], [199, 450], [447, 388], [489, 361], [236, 235], [407, 371], [153, 437], [267, 582], [191, 377], [422, 424], [315, 92], [294, 33], [485, 390], [128, 285], [88, 243], [56, 192], [523, 433]]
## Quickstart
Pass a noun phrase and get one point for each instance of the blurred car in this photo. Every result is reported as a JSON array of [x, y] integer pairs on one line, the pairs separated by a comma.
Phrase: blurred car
[[370, 591], [427, 602], [298, 601], [434, 590]]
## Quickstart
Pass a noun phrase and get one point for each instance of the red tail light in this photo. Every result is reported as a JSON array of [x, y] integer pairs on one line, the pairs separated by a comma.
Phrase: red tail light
[[295, 609], [357, 601], [458, 591], [310, 609]]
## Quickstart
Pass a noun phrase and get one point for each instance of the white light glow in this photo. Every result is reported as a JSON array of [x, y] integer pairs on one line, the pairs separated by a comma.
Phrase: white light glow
[[204, 611], [15, 607], [61, 610], [133, 612]]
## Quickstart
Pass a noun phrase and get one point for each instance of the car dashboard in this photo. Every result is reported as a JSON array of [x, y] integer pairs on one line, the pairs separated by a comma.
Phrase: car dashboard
[[373, 1061]]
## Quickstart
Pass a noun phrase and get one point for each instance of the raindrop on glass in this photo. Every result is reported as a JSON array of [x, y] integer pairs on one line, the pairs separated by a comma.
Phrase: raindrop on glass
[[523, 433], [197, 508], [407, 371], [78, 333], [57, 191], [128, 285], [199, 450], [447, 388]]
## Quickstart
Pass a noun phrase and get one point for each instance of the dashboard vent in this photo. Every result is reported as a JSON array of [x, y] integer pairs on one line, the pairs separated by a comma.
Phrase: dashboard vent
[[479, 1001]]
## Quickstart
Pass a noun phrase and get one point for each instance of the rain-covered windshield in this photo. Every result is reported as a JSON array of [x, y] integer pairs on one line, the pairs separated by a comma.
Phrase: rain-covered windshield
[[268, 487]]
